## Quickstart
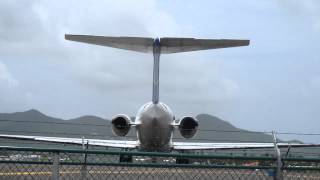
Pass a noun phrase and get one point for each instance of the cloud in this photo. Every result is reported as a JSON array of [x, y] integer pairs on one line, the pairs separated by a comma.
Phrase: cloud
[[12, 97], [6, 79], [307, 11], [33, 35]]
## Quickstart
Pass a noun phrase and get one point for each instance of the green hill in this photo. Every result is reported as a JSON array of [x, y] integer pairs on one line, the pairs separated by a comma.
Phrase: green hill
[[211, 129], [33, 122]]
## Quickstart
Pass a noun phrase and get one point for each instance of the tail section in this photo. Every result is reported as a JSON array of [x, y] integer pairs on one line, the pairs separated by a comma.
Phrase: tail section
[[157, 46], [167, 45]]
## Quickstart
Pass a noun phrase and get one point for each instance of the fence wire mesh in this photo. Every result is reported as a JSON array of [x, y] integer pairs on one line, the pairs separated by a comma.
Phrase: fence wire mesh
[[31, 163]]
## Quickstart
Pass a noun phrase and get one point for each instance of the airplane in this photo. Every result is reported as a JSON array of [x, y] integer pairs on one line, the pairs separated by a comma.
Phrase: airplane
[[155, 122]]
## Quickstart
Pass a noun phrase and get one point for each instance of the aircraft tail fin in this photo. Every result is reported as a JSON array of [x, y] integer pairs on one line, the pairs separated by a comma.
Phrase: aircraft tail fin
[[157, 46]]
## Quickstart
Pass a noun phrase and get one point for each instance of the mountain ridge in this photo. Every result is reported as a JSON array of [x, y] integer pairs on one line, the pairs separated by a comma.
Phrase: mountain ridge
[[34, 122]]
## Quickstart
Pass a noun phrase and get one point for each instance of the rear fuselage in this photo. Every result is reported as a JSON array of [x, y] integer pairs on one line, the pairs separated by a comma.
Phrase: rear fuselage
[[155, 129]]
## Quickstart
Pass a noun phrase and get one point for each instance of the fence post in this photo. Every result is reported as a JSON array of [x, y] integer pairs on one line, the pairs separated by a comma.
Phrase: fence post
[[55, 166], [84, 166], [278, 175]]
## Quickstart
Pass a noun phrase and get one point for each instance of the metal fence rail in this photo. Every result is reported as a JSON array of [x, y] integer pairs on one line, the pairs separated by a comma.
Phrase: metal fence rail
[[37, 163]]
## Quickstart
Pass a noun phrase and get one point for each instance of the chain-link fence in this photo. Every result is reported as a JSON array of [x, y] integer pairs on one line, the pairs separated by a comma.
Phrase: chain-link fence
[[31, 163]]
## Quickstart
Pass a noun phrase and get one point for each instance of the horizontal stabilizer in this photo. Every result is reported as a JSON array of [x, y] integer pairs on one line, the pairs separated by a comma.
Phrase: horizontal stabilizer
[[138, 44], [167, 45], [176, 45]]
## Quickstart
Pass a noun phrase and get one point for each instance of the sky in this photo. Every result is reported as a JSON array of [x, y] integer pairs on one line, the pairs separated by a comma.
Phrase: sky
[[273, 84]]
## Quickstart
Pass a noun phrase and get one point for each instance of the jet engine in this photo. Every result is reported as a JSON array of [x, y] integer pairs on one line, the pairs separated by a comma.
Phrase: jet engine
[[188, 127], [121, 124]]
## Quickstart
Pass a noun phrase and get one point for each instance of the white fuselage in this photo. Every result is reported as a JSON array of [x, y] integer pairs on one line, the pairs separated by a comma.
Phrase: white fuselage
[[154, 127]]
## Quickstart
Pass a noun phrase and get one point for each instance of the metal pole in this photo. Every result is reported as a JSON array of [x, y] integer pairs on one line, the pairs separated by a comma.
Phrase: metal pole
[[84, 166], [55, 166], [287, 154], [278, 175]]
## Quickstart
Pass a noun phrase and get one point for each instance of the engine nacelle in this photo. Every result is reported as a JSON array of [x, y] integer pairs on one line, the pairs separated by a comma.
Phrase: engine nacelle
[[121, 124], [188, 127]]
